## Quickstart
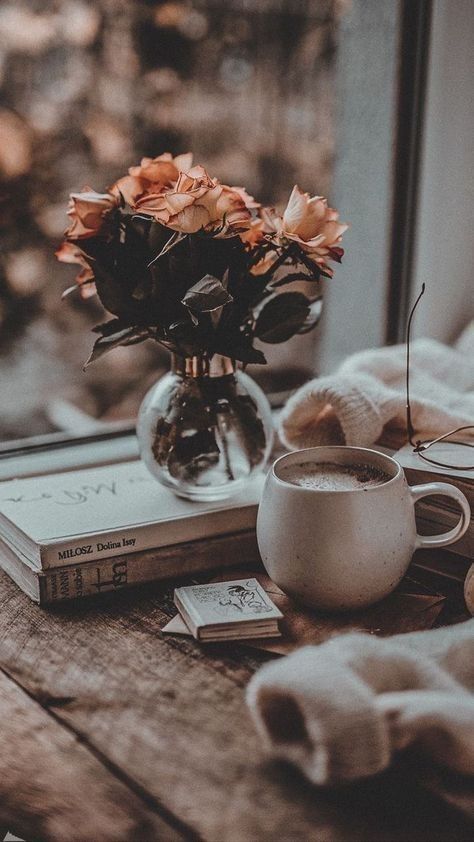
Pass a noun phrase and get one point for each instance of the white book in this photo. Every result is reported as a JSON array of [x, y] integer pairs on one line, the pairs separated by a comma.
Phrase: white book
[[228, 610], [61, 519], [437, 514], [463, 454], [418, 471], [432, 520], [90, 578]]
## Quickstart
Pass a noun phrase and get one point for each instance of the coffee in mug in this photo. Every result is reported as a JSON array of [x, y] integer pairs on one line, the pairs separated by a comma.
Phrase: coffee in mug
[[329, 476], [336, 525]]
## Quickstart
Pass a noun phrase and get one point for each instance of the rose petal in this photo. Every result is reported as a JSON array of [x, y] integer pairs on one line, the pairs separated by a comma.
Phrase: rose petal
[[333, 232], [184, 162], [295, 210], [176, 202], [88, 211], [131, 187], [314, 218], [190, 220]]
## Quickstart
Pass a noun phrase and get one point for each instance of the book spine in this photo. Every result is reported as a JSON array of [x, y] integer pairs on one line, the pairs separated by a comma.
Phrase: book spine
[[420, 477], [119, 572], [149, 536], [442, 571], [445, 516], [463, 546], [445, 510]]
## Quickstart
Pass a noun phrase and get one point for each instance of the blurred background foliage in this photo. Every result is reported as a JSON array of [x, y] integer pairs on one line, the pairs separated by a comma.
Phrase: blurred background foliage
[[87, 87]]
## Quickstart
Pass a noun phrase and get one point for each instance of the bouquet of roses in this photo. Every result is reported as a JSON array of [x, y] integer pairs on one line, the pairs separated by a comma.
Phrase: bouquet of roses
[[201, 267]]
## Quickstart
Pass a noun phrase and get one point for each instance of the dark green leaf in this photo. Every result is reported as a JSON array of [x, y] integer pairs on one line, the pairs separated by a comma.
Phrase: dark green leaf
[[282, 316], [119, 269], [127, 336], [242, 351], [183, 337], [311, 265], [238, 345], [314, 315], [207, 295], [140, 224], [248, 354], [174, 239], [109, 290], [295, 276], [110, 327], [157, 237]]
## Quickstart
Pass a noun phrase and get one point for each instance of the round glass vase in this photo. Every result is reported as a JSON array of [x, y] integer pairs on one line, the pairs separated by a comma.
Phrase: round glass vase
[[205, 428]]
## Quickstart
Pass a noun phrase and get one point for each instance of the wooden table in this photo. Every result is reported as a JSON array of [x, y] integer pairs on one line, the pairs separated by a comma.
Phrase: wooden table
[[111, 731]]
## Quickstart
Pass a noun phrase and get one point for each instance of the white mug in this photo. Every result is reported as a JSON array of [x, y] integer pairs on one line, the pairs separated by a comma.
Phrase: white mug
[[338, 550]]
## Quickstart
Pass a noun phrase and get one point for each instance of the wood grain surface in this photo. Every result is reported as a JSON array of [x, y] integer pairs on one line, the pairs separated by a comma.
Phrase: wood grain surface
[[53, 787], [115, 732]]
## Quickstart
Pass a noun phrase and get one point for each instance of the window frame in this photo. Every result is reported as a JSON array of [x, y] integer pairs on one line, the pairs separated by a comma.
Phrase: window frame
[[384, 48], [384, 52]]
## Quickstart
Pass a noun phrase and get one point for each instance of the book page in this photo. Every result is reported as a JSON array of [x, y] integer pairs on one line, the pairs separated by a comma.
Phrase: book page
[[101, 499]]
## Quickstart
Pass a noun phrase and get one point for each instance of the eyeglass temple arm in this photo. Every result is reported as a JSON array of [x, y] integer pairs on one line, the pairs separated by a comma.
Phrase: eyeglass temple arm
[[410, 428], [446, 436]]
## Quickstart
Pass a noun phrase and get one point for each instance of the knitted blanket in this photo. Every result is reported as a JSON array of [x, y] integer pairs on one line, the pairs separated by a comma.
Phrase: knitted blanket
[[345, 709], [367, 393]]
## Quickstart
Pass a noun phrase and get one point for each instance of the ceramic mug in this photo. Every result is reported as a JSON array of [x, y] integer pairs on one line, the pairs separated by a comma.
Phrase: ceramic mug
[[345, 549]]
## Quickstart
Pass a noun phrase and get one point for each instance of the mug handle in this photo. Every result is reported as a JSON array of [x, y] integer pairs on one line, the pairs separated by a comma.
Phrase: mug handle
[[447, 490]]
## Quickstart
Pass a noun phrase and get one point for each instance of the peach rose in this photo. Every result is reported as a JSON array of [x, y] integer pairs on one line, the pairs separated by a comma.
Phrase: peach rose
[[248, 200], [267, 223], [309, 222], [70, 253], [159, 172], [232, 210], [265, 226], [164, 169], [196, 202], [88, 211], [253, 235], [252, 232]]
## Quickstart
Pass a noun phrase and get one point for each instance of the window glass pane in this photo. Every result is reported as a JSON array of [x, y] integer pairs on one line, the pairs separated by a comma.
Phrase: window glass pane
[[86, 89]]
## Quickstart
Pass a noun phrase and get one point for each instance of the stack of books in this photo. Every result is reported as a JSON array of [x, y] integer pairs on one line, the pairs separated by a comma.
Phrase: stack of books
[[78, 533], [444, 569], [439, 514]]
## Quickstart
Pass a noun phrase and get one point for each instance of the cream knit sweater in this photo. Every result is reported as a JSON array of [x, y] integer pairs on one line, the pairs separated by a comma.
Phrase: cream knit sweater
[[343, 710], [367, 392]]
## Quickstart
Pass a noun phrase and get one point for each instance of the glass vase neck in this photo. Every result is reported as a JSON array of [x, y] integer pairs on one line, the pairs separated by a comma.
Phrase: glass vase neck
[[203, 365]]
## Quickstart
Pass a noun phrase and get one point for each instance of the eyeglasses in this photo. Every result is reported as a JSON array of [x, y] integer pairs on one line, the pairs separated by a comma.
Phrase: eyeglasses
[[443, 448]]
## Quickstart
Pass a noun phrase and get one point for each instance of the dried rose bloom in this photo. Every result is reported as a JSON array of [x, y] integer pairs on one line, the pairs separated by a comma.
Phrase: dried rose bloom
[[88, 212], [196, 202], [151, 175], [309, 222], [146, 232], [71, 253]]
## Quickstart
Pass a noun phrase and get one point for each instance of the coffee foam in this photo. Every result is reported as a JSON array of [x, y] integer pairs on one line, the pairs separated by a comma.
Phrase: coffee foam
[[329, 476]]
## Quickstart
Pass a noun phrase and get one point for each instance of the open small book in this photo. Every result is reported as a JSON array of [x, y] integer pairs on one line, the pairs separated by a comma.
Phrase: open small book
[[228, 610]]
